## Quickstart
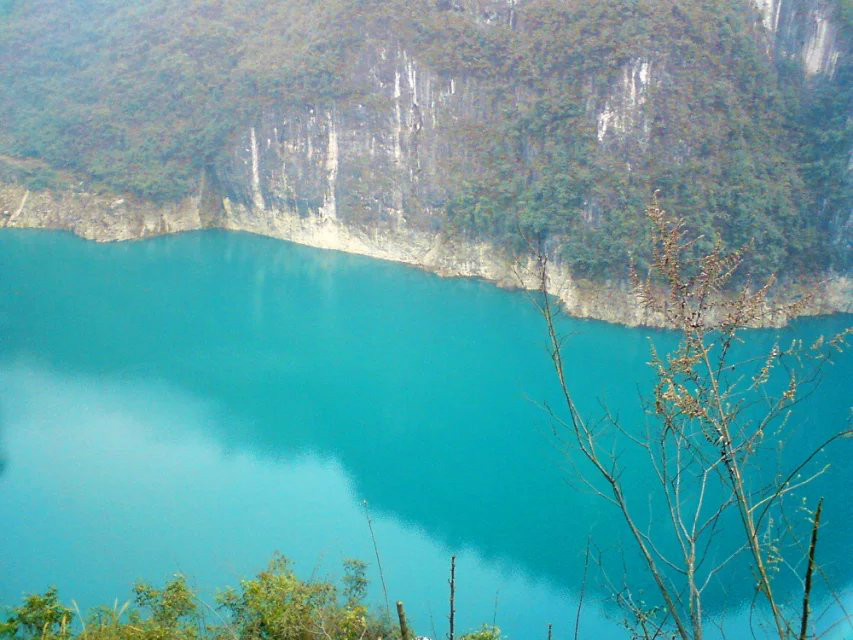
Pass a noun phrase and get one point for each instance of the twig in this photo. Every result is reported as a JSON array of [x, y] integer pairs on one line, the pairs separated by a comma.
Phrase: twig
[[842, 434], [452, 595], [809, 571], [378, 562]]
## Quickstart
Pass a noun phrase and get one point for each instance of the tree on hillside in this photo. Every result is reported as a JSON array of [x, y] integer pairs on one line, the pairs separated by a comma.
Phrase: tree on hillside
[[715, 421]]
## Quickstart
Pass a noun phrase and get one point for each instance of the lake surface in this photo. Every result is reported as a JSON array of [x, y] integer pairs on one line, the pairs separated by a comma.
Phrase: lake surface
[[194, 403]]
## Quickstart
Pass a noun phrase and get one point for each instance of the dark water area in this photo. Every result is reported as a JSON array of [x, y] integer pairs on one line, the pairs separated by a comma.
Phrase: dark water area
[[194, 403]]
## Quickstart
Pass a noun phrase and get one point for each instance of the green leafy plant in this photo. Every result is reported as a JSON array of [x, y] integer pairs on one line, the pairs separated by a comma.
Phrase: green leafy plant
[[41, 616]]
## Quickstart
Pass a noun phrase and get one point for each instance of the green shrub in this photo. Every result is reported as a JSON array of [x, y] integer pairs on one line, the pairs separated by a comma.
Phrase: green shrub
[[486, 633], [41, 616], [275, 605]]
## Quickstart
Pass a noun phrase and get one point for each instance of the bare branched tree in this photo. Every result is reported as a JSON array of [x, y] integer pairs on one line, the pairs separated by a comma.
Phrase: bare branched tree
[[710, 416]]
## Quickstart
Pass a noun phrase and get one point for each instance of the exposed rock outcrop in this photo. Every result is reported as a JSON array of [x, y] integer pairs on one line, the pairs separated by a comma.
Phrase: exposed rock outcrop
[[803, 30], [106, 219]]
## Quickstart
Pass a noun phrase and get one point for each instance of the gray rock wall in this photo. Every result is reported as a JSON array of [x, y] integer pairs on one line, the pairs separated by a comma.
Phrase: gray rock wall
[[393, 158], [805, 31], [383, 161]]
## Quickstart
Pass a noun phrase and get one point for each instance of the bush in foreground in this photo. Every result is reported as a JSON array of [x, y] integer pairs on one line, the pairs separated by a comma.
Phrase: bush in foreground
[[275, 605]]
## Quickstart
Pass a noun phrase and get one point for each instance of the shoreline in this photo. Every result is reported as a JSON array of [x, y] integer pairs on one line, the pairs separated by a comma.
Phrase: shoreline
[[102, 218]]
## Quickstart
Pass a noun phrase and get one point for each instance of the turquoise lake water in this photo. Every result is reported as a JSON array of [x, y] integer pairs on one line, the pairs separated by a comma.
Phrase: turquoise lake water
[[194, 403]]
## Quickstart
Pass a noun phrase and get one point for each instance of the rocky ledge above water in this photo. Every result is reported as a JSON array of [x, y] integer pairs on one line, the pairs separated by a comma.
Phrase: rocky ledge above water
[[107, 218]]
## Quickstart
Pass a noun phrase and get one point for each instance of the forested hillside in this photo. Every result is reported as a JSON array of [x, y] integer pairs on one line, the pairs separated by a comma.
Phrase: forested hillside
[[551, 120]]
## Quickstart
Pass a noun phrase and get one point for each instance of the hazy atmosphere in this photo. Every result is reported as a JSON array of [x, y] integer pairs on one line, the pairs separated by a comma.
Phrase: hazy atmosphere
[[426, 319]]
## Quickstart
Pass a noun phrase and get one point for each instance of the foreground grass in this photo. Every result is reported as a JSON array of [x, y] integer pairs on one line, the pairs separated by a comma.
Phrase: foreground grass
[[275, 605]]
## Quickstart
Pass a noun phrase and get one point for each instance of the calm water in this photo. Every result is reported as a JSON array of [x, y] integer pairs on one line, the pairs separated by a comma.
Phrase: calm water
[[194, 403]]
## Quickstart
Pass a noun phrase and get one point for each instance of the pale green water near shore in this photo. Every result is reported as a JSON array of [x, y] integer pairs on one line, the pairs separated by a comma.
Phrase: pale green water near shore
[[193, 403]]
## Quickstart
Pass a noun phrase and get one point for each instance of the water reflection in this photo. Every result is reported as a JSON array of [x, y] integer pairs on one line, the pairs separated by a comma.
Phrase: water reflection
[[419, 389]]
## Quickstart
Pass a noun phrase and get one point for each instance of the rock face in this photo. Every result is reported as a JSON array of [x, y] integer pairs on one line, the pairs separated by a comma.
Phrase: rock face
[[378, 165], [807, 33], [393, 159], [804, 31], [370, 177], [623, 113], [96, 217], [106, 219]]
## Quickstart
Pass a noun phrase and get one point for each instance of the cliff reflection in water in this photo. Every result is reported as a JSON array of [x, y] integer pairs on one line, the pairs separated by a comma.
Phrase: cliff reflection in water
[[425, 391]]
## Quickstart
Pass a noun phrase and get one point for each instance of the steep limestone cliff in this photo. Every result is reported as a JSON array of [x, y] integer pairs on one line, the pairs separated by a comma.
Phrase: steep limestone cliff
[[382, 164], [398, 156], [374, 173]]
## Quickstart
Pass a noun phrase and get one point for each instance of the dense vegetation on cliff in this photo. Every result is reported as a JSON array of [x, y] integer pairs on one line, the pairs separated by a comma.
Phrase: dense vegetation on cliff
[[142, 96]]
